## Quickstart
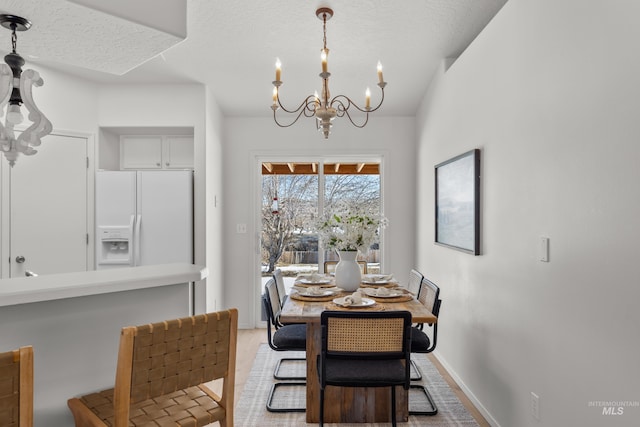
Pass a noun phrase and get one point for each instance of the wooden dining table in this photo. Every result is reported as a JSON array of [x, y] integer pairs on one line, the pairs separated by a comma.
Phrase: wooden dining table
[[348, 404]]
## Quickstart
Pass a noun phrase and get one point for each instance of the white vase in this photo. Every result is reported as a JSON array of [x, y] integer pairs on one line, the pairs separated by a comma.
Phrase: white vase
[[348, 275]]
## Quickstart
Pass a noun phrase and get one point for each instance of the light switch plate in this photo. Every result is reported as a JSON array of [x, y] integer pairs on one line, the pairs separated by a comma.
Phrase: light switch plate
[[543, 249]]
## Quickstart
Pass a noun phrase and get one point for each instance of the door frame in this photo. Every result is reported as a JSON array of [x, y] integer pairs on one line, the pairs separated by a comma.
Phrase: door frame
[[256, 204], [5, 209]]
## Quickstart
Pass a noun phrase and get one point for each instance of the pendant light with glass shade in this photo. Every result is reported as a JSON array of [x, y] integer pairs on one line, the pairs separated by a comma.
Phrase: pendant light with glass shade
[[16, 88]]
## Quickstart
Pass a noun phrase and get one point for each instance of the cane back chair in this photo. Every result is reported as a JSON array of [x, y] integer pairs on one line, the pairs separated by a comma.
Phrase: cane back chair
[[429, 296], [364, 349], [290, 337]]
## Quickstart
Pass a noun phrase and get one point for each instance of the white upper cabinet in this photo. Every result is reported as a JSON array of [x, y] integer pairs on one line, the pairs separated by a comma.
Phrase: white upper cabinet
[[156, 152], [178, 152]]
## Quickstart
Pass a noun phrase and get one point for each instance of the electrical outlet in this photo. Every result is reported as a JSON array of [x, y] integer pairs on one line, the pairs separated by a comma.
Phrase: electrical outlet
[[535, 406], [241, 228]]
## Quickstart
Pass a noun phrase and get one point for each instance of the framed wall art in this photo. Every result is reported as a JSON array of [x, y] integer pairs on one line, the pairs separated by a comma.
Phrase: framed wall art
[[458, 202]]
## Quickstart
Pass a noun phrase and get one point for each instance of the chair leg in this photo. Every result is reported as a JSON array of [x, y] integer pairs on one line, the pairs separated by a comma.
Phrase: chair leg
[[393, 406], [321, 406], [272, 393], [276, 371], [418, 375], [434, 408]]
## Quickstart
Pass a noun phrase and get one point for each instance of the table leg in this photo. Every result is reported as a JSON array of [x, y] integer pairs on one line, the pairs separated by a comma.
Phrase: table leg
[[313, 385], [348, 404]]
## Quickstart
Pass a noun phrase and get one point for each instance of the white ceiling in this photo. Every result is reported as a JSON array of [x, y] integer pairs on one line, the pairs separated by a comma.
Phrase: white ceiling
[[232, 45]]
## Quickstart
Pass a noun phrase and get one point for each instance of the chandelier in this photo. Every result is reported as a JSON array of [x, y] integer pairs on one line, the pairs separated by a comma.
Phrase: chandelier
[[16, 89], [323, 107]]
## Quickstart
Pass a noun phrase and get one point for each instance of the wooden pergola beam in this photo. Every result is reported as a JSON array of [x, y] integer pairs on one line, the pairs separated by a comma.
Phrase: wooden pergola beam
[[291, 168]]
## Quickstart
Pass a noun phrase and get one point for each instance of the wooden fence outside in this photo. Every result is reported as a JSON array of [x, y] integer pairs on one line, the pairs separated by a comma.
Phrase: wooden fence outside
[[311, 257]]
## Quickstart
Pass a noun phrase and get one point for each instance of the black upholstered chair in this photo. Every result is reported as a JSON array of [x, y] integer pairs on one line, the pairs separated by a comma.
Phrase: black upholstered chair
[[413, 286], [365, 349], [429, 296], [291, 337]]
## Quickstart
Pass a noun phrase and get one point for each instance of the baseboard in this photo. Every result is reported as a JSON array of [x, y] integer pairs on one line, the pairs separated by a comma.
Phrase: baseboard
[[466, 390]]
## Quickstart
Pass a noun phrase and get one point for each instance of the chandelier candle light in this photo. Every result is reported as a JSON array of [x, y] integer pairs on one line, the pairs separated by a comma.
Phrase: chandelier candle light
[[323, 107], [16, 89]]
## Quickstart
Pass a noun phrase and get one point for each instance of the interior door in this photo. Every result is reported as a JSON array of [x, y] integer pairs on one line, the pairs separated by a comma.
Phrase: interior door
[[48, 208]]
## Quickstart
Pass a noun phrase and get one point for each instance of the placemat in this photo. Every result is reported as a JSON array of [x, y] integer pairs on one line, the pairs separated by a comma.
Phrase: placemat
[[334, 306], [297, 296], [399, 298], [372, 285], [320, 285]]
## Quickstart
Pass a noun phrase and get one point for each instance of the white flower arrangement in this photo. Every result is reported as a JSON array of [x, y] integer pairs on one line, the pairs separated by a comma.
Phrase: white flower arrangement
[[350, 231]]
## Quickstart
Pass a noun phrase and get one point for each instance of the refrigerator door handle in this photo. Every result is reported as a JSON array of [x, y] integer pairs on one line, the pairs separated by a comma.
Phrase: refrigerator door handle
[[136, 239], [132, 242]]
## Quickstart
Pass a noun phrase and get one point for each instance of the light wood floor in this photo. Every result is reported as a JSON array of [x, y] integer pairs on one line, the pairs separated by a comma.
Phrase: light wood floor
[[250, 339]]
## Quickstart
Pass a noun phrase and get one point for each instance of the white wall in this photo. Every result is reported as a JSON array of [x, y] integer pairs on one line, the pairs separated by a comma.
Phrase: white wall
[[214, 236], [68, 102], [550, 93], [247, 138]]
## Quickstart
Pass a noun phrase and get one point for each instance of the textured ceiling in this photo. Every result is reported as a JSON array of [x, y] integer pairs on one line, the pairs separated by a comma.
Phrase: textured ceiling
[[68, 33], [232, 46]]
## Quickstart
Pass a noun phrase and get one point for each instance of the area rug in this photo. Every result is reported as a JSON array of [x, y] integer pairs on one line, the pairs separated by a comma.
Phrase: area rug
[[251, 407]]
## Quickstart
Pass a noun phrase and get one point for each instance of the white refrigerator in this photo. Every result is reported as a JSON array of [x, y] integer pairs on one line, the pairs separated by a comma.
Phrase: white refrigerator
[[143, 218]]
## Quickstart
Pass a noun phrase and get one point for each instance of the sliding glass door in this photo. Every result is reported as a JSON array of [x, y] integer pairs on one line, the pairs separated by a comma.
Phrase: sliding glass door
[[295, 195]]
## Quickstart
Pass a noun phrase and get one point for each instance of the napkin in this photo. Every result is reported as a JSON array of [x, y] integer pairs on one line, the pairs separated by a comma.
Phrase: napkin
[[381, 278], [382, 291], [314, 290], [353, 299]]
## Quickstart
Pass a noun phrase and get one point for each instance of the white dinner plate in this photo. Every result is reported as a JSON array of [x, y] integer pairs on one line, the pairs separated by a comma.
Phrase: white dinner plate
[[382, 279], [323, 293], [377, 282], [325, 287], [366, 302], [373, 292], [314, 282]]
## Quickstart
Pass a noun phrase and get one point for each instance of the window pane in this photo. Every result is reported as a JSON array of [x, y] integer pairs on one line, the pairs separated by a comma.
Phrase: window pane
[[354, 191], [289, 204]]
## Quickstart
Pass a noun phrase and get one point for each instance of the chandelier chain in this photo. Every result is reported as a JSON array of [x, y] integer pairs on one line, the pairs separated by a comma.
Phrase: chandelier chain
[[14, 38], [324, 29]]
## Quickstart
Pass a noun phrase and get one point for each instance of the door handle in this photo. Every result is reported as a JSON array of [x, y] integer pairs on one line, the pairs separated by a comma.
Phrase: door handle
[[20, 259]]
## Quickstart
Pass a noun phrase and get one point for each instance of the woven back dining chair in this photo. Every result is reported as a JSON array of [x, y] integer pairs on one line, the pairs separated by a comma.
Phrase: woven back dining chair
[[415, 279], [282, 291], [429, 296], [290, 337], [160, 375], [16, 387], [365, 349]]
